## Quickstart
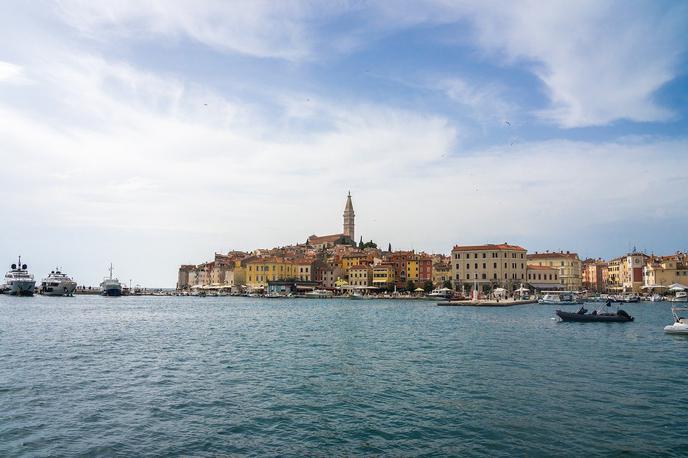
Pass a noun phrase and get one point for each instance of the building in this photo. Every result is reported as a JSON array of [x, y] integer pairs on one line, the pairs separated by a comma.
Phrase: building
[[441, 272], [488, 265], [360, 275], [347, 235], [569, 265], [384, 275], [663, 271], [183, 276], [543, 278], [626, 273], [594, 275], [424, 268]]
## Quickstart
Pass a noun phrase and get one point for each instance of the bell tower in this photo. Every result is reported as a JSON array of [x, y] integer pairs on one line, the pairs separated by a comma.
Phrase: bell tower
[[349, 218]]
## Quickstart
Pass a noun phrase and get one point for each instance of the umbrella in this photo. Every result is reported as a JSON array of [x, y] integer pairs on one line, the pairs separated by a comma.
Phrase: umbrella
[[419, 290]]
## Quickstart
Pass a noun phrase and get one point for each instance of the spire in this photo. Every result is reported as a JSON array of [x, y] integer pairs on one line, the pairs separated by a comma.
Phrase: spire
[[349, 217]]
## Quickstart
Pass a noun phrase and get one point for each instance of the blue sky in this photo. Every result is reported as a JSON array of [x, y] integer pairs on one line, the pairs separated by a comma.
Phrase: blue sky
[[151, 133]]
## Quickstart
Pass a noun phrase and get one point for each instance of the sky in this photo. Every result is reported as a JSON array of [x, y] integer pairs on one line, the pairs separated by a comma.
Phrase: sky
[[153, 133]]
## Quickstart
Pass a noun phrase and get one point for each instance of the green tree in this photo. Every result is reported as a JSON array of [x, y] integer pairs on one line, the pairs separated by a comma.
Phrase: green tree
[[360, 244], [427, 286], [410, 286], [389, 247], [447, 284]]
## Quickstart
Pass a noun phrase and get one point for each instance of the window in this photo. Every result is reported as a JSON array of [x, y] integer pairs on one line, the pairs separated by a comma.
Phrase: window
[[505, 265], [468, 266], [484, 276], [468, 276], [494, 265], [476, 265], [484, 266], [494, 276], [484, 255]]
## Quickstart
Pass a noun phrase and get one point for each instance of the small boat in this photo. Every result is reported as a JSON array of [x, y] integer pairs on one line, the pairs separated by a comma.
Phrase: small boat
[[631, 298], [681, 296], [560, 298], [680, 325], [356, 296], [18, 281], [440, 293], [582, 315], [57, 284], [318, 294]]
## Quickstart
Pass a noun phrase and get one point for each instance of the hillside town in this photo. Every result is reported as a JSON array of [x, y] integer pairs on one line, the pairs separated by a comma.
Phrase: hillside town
[[337, 261]]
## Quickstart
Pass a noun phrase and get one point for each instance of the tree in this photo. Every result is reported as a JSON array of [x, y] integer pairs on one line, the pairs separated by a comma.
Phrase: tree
[[447, 284], [389, 248], [410, 286], [370, 244], [428, 286], [360, 244]]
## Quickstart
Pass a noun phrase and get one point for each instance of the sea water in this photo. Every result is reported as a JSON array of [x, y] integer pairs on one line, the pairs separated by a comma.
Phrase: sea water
[[136, 376]]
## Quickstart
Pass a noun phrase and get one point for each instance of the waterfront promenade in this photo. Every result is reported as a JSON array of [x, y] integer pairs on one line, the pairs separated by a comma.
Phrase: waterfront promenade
[[163, 376]]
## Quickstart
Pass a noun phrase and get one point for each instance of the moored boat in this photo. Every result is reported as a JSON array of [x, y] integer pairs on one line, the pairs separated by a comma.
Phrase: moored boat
[[110, 286], [680, 324], [18, 281], [57, 284], [560, 298]]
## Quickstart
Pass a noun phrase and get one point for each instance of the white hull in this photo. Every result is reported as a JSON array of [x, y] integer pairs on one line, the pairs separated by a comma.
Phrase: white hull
[[20, 288], [677, 328], [64, 288], [679, 299], [548, 302]]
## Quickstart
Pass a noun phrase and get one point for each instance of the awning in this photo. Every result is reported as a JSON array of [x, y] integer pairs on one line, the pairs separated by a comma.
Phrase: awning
[[654, 287], [678, 287]]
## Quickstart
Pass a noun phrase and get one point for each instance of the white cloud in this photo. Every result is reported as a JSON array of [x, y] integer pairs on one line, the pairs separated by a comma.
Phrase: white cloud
[[10, 73]]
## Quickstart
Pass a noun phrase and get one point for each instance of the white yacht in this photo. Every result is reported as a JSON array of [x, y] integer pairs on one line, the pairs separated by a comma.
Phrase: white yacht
[[680, 325], [440, 293], [560, 298], [681, 296], [110, 286], [57, 284], [18, 281], [319, 294]]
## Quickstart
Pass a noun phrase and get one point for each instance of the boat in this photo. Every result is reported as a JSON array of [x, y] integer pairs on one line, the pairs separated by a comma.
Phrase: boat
[[598, 316], [680, 324], [631, 298], [440, 293], [560, 298], [18, 281], [318, 294], [681, 296], [57, 284], [356, 296], [110, 286], [656, 298]]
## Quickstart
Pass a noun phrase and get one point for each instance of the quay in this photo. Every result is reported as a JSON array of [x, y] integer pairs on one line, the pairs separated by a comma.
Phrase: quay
[[486, 303]]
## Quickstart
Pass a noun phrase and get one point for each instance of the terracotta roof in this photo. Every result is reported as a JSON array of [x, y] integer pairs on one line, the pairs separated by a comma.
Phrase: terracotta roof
[[554, 255], [317, 240], [488, 247]]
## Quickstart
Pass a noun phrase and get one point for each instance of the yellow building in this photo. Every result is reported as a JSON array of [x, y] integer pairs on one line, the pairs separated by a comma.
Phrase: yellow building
[[501, 264], [413, 269], [360, 275], [569, 265], [350, 260], [383, 275], [665, 271], [441, 272], [543, 277], [262, 270]]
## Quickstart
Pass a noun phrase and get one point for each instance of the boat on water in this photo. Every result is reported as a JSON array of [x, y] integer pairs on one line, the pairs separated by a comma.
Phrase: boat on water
[[110, 286], [681, 296], [680, 324], [597, 316], [560, 298], [630, 298], [319, 294], [18, 281], [440, 293], [57, 284]]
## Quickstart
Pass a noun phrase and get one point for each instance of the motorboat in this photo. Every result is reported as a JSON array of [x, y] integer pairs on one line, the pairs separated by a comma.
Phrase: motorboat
[[680, 324], [681, 296], [440, 293], [656, 298], [319, 294], [631, 298], [57, 284], [18, 281], [582, 315], [560, 298], [110, 286]]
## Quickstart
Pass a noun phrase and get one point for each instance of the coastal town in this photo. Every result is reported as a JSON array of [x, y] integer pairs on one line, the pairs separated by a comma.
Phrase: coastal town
[[338, 263]]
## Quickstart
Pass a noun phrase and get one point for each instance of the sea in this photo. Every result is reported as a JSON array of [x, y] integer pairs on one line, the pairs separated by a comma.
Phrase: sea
[[236, 376]]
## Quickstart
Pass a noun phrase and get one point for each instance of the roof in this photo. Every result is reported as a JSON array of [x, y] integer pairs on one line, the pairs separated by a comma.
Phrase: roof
[[488, 247], [317, 240], [553, 255]]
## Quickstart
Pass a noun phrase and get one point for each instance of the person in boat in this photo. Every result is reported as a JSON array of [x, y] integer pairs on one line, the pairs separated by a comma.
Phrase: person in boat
[[582, 310], [609, 302]]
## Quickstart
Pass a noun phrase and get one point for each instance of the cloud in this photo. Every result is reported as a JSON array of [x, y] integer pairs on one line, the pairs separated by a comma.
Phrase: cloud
[[10, 73]]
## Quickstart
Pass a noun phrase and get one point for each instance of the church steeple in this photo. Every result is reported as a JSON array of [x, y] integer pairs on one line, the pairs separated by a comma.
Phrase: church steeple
[[349, 216]]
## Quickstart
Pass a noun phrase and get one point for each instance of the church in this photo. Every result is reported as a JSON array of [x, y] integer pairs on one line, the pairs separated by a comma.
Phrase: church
[[347, 237]]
